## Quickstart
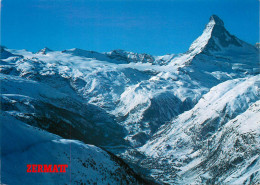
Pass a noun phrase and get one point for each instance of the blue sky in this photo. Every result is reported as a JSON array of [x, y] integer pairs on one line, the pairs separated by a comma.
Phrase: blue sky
[[144, 26]]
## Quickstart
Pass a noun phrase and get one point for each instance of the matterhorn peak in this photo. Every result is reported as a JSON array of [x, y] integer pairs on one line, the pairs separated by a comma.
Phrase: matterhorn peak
[[214, 38], [216, 20]]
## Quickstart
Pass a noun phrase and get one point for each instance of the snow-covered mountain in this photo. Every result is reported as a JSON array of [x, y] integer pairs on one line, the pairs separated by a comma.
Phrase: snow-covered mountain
[[214, 140], [44, 51], [122, 93], [58, 112], [22, 144], [169, 116]]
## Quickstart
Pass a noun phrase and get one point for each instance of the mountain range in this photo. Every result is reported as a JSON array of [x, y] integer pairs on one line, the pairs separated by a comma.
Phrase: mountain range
[[130, 118]]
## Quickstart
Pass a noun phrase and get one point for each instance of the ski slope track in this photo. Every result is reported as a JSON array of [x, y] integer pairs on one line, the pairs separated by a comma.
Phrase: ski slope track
[[189, 118]]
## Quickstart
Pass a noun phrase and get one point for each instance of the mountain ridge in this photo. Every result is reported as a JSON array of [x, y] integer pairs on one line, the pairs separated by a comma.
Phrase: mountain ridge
[[123, 101]]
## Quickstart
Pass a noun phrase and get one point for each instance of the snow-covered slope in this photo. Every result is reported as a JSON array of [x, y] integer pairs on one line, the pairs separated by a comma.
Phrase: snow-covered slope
[[117, 56], [215, 140], [6, 54], [87, 164], [128, 92], [232, 154], [49, 108]]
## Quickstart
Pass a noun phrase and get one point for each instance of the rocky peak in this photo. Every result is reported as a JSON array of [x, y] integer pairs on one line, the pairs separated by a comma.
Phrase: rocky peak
[[44, 51], [122, 55], [214, 38], [216, 20]]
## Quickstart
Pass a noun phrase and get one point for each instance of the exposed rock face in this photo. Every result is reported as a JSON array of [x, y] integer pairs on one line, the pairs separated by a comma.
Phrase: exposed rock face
[[44, 51]]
